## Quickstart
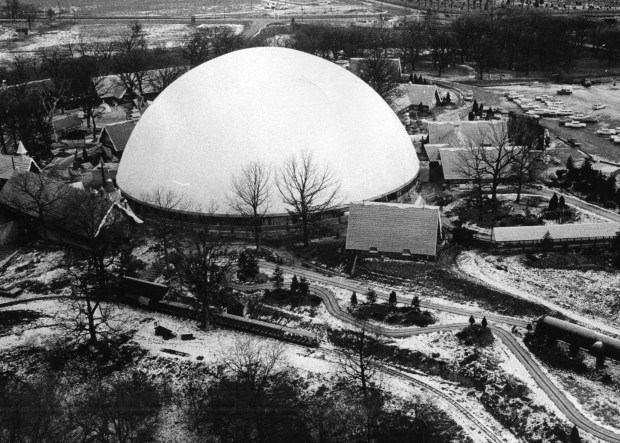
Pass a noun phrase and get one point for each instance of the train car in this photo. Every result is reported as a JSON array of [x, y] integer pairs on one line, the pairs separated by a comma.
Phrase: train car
[[598, 344]]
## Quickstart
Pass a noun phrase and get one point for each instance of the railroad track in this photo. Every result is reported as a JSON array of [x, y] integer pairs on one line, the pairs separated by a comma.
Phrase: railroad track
[[554, 393]]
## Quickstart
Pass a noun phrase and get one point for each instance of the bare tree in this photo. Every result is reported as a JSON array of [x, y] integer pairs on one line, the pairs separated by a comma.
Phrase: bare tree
[[12, 8], [160, 79], [488, 162], [307, 188], [251, 193], [358, 358], [29, 13], [37, 195], [382, 76], [252, 361], [205, 268], [196, 49], [166, 222]]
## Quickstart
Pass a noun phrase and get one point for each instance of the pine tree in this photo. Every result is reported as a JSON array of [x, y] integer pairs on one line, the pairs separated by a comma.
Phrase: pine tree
[[586, 172], [421, 107], [562, 202], [248, 266], [572, 173], [371, 297], [438, 98], [411, 78], [353, 298], [294, 285], [277, 278], [472, 320], [415, 303], [448, 98], [480, 110], [553, 202], [574, 435], [474, 108], [392, 299], [304, 286], [484, 323]]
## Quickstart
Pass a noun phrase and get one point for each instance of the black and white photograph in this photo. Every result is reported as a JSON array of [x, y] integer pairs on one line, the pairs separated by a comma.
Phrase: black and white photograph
[[309, 221]]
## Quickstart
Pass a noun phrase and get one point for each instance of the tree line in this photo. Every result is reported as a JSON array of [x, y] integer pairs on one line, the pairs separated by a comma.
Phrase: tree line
[[72, 76]]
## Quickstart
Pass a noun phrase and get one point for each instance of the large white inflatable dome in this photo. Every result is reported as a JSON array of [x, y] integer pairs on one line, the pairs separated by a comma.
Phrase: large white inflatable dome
[[265, 104]]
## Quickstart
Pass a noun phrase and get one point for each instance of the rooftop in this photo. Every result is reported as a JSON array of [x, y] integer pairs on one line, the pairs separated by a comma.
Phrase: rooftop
[[393, 228], [557, 232]]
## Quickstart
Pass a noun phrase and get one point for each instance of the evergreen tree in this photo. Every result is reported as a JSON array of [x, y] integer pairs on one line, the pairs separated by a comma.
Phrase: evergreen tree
[[572, 173], [415, 303], [424, 82], [562, 202], [294, 285], [421, 107], [472, 320], [437, 98], [474, 108], [586, 172], [248, 266], [411, 78], [392, 299], [471, 116], [553, 202], [484, 323], [371, 296], [448, 98], [303, 289], [277, 278], [480, 110], [574, 435], [353, 298]]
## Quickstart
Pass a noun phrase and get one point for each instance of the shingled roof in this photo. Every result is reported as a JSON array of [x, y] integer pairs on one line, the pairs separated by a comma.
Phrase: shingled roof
[[393, 228], [118, 135], [19, 163], [466, 133], [557, 232], [413, 95]]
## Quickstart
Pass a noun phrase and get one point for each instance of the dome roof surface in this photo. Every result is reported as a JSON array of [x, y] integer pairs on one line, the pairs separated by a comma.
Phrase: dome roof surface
[[265, 104]]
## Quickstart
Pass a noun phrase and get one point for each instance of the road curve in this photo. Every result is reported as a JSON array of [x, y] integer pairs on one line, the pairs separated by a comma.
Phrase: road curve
[[554, 393]]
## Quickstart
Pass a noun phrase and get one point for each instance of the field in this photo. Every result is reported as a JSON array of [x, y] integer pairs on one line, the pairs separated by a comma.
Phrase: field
[[587, 295]]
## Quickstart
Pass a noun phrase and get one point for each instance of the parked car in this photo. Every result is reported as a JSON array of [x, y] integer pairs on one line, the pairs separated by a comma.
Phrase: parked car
[[469, 97], [598, 106], [565, 91], [573, 143], [606, 131], [575, 124]]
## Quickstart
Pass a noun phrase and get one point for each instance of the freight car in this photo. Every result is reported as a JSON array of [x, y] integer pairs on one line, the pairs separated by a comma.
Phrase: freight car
[[597, 344], [152, 296]]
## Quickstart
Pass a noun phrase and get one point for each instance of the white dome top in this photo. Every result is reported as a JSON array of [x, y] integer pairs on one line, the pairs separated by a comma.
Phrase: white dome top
[[265, 104]]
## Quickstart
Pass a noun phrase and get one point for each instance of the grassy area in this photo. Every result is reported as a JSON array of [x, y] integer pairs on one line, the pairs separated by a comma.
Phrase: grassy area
[[438, 280]]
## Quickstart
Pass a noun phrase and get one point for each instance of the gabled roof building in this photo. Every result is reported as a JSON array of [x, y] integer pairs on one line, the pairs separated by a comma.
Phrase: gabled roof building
[[114, 137], [393, 229]]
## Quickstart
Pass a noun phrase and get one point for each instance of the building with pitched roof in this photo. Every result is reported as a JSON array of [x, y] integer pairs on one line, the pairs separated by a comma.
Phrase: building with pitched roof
[[9, 164], [65, 124], [582, 231], [356, 66], [114, 138], [412, 96], [467, 133], [70, 213], [393, 229]]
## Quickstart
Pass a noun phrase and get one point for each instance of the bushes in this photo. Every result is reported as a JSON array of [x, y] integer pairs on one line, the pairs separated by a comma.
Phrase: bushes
[[405, 316], [476, 335]]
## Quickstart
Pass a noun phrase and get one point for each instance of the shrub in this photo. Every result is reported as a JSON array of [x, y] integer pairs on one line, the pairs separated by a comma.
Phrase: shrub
[[476, 335]]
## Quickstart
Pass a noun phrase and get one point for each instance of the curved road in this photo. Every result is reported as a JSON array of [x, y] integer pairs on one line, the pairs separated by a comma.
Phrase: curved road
[[554, 393]]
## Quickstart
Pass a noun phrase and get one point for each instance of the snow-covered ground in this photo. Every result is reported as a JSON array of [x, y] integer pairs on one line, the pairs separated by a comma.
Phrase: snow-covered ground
[[211, 346], [585, 296], [156, 34]]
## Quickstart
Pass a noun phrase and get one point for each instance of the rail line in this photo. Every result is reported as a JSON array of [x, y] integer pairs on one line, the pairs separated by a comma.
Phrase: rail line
[[554, 393]]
